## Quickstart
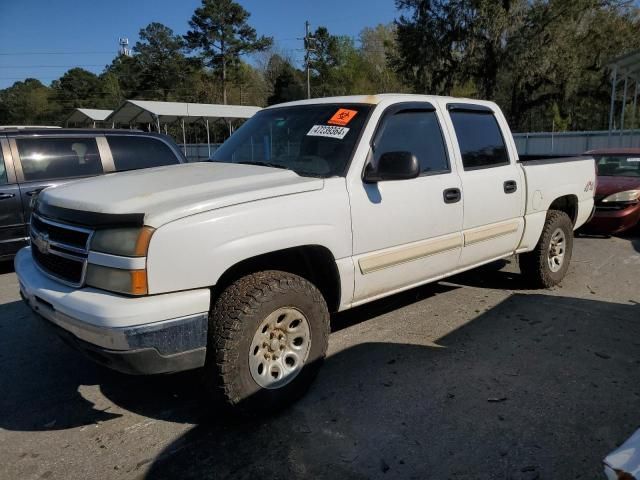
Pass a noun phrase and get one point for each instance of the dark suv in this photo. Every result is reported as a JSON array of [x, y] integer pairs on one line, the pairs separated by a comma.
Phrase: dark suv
[[33, 159]]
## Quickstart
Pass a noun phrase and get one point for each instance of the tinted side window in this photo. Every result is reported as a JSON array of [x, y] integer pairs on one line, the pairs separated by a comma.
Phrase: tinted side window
[[49, 158], [3, 170], [131, 152], [417, 132], [480, 139]]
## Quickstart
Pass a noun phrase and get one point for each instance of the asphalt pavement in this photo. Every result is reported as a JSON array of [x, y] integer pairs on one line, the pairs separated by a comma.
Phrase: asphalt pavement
[[476, 377]]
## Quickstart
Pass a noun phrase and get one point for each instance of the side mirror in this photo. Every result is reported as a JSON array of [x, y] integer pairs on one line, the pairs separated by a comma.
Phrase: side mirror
[[393, 166]]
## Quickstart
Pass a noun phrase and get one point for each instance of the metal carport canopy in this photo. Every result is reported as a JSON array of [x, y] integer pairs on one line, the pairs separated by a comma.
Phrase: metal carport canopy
[[145, 111], [624, 69], [88, 115], [152, 112]]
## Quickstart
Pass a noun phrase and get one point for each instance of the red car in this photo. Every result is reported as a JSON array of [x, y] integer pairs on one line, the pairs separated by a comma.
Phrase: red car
[[618, 190]]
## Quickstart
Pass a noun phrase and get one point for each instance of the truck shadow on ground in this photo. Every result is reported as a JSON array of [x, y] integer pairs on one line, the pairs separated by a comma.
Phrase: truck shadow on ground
[[492, 276], [539, 386], [6, 266], [34, 360]]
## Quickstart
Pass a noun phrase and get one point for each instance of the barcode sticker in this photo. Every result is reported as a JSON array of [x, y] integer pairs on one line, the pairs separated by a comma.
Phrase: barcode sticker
[[328, 131]]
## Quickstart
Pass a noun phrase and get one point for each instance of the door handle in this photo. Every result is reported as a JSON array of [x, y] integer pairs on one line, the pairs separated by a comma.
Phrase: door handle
[[510, 186], [4, 196], [451, 195], [35, 191]]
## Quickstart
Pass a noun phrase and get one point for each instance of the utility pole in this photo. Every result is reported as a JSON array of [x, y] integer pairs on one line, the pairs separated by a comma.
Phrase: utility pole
[[309, 43]]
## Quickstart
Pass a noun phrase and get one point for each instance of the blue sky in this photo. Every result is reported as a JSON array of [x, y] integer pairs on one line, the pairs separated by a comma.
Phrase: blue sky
[[44, 38]]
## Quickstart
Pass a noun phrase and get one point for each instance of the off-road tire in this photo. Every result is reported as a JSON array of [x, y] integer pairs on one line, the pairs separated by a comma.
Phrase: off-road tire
[[534, 265], [236, 315]]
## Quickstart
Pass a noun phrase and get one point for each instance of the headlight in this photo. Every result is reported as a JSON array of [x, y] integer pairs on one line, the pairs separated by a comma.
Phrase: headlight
[[628, 196], [129, 242], [131, 282]]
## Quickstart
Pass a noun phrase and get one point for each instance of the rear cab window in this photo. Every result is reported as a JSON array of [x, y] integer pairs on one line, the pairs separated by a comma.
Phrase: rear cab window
[[132, 152], [46, 158], [479, 137]]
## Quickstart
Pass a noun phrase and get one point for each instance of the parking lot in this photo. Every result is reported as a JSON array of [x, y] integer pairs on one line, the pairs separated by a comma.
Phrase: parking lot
[[476, 377]]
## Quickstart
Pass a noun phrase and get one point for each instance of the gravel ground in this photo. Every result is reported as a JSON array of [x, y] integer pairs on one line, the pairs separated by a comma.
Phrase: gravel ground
[[476, 377]]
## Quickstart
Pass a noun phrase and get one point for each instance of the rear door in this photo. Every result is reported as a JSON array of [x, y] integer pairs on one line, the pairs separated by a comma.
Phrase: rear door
[[12, 228], [492, 184], [44, 161]]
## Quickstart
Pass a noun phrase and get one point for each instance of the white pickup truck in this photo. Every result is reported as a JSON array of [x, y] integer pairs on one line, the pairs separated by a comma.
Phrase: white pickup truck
[[311, 207]]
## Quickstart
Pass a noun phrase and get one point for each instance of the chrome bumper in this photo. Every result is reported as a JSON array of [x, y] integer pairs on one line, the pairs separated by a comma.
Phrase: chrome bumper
[[99, 325]]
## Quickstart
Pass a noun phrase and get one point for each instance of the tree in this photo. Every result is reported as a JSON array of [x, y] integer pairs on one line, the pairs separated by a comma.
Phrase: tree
[[112, 94], [75, 89], [128, 72], [543, 61], [25, 103], [377, 45], [334, 64], [248, 86], [220, 32], [430, 43], [288, 84], [161, 60]]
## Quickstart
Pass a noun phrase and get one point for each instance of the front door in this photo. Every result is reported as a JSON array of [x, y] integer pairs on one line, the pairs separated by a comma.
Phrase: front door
[[408, 231]]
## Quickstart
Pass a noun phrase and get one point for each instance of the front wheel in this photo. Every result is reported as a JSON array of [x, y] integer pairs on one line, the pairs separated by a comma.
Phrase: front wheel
[[548, 263], [268, 335]]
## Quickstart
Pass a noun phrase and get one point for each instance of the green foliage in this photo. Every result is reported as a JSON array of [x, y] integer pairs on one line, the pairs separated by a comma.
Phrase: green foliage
[[160, 55], [221, 34], [339, 67], [543, 61], [128, 73], [25, 103], [288, 84]]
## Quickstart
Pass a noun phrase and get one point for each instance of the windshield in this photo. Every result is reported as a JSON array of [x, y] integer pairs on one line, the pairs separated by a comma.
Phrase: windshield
[[312, 140], [619, 165]]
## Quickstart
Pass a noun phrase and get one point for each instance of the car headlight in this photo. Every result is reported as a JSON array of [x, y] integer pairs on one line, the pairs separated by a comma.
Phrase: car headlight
[[628, 196], [129, 242], [131, 282]]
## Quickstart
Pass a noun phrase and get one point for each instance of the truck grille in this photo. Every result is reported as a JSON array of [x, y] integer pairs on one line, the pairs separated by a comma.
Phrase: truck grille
[[60, 250]]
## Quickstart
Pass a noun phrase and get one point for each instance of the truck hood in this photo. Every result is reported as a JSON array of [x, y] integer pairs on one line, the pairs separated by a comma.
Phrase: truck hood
[[164, 194]]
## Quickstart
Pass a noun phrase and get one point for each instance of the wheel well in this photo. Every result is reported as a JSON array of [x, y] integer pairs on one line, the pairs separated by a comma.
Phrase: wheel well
[[567, 204], [312, 262]]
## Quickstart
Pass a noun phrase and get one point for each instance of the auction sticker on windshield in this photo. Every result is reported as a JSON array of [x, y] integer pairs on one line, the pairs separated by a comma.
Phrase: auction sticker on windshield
[[328, 131], [342, 117]]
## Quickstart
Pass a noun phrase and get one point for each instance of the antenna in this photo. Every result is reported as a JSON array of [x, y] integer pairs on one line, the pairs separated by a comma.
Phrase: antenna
[[124, 47]]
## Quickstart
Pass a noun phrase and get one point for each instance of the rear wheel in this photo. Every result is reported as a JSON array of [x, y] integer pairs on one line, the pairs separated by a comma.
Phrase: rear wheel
[[268, 335], [548, 263]]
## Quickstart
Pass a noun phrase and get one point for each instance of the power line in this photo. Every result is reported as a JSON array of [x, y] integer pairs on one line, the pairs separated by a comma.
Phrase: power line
[[52, 66], [57, 53]]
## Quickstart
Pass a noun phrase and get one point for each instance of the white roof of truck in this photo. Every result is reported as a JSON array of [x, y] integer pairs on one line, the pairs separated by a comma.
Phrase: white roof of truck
[[388, 98]]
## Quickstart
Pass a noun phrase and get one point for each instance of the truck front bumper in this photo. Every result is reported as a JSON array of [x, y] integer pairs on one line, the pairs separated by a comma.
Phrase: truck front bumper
[[136, 335]]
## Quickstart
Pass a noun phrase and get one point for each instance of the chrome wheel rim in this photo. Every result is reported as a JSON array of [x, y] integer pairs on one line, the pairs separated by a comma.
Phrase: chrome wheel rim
[[279, 348], [557, 247]]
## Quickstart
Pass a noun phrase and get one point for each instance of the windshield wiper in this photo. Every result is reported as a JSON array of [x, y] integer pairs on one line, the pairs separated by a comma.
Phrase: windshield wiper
[[264, 164]]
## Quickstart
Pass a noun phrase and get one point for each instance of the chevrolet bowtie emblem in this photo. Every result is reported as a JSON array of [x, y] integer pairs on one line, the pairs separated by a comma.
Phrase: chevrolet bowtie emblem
[[41, 241]]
